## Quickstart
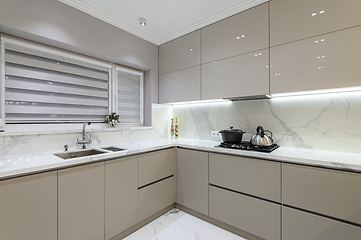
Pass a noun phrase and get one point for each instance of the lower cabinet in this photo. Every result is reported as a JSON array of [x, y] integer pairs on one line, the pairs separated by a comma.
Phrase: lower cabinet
[[81, 203], [120, 195], [298, 225], [155, 197], [252, 215], [28, 207], [192, 179]]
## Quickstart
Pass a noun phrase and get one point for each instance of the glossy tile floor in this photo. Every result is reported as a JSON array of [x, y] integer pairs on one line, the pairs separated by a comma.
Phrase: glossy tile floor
[[176, 225]]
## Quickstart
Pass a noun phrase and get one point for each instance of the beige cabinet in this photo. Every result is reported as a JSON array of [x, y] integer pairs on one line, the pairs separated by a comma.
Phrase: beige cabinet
[[155, 166], [244, 75], [299, 19], [180, 86], [252, 215], [245, 32], [155, 197], [81, 202], [329, 192], [322, 62], [298, 225], [247, 175], [192, 179], [183, 52], [28, 207], [121, 192]]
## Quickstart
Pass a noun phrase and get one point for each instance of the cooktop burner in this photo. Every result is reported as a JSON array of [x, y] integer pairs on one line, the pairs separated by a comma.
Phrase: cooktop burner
[[248, 146]]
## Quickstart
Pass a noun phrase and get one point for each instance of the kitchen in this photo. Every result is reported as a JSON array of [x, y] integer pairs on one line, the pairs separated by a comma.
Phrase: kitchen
[[321, 129]]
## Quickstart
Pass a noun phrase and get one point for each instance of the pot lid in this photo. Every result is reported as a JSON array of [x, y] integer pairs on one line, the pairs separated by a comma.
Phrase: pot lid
[[231, 130]]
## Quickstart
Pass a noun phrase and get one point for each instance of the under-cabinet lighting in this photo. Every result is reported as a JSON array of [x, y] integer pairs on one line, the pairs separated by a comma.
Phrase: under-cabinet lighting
[[202, 102], [323, 92]]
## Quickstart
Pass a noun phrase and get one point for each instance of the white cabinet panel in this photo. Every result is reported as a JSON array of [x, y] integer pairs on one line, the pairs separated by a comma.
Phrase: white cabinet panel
[[323, 62], [180, 53], [244, 75], [241, 33], [180, 86], [28, 207], [292, 20]]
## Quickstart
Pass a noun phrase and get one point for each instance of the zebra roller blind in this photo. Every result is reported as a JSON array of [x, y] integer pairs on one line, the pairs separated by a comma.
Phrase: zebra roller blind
[[44, 87], [130, 96]]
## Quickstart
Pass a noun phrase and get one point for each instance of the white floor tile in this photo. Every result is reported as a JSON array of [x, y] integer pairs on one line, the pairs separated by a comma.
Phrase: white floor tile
[[225, 235], [202, 227]]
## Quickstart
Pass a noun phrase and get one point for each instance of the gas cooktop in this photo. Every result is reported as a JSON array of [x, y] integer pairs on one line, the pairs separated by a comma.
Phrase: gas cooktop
[[248, 146]]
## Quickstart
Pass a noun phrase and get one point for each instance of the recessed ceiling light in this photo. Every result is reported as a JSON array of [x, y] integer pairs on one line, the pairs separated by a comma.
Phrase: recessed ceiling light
[[322, 11], [314, 14], [243, 35], [238, 37], [143, 21]]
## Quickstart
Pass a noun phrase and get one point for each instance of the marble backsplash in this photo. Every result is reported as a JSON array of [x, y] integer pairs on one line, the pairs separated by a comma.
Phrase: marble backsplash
[[330, 122]]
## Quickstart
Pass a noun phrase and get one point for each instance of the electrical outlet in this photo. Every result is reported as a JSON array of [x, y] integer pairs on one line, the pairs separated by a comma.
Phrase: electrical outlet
[[215, 134]]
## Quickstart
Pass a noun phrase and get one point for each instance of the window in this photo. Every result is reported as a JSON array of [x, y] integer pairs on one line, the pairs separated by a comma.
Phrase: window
[[129, 94], [43, 85]]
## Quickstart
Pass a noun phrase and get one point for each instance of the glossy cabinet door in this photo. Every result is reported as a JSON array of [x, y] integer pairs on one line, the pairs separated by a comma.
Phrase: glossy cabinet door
[[183, 52], [155, 166], [180, 86], [81, 202], [244, 75], [322, 62], [192, 179], [247, 175], [28, 207], [121, 192], [299, 225], [293, 20], [252, 215], [155, 197], [329, 192], [245, 32]]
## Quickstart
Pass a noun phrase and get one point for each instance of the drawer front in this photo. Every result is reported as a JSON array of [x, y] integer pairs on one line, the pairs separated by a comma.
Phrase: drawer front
[[298, 225], [192, 180], [252, 215], [330, 192], [155, 197], [292, 20], [317, 63], [242, 33], [155, 166], [247, 175]]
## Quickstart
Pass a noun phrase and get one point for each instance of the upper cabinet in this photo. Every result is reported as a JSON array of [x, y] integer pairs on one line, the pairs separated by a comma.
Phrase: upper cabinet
[[293, 20], [183, 52], [322, 62], [245, 32]]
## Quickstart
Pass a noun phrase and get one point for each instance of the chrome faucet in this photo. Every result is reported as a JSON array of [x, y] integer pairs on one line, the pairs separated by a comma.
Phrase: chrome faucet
[[84, 141]]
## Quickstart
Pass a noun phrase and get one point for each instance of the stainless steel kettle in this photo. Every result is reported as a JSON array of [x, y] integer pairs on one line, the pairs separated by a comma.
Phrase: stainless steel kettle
[[261, 139]]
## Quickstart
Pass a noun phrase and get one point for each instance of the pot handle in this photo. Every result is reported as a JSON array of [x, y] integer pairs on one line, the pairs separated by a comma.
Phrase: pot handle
[[262, 130]]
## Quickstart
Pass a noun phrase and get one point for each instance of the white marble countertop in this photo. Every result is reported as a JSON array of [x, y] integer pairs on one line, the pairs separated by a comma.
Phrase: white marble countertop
[[26, 164]]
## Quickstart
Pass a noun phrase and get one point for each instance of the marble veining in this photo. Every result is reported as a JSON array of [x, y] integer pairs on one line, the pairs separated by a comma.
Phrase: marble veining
[[178, 225]]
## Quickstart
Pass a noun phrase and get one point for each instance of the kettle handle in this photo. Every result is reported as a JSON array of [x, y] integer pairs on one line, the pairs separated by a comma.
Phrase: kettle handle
[[269, 132], [262, 130]]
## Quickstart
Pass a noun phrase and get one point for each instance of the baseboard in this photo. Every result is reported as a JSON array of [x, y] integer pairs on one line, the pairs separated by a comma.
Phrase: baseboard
[[218, 223], [141, 224]]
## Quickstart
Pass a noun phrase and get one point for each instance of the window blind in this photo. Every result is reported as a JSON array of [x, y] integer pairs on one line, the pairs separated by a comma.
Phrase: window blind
[[130, 97], [44, 87]]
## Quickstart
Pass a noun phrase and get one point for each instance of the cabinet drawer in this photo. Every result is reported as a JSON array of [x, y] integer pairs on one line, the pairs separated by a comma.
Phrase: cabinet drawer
[[252, 215], [241, 33], [317, 63], [155, 197], [180, 53], [243, 75], [247, 175], [298, 225], [330, 192], [155, 166], [192, 179], [293, 20]]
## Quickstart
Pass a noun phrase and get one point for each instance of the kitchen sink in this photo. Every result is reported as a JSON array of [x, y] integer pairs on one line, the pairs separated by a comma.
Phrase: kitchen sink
[[76, 154], [114, 149]]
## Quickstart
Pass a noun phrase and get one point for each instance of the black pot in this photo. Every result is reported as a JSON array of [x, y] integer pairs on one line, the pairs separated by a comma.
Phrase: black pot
[[232, 135]]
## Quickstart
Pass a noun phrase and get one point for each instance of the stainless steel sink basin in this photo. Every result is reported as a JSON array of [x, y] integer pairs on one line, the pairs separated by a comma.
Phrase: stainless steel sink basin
[[114, 149], [76, 154]]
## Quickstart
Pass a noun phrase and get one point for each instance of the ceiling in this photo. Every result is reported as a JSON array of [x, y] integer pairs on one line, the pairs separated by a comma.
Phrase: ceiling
[[166, 19]]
